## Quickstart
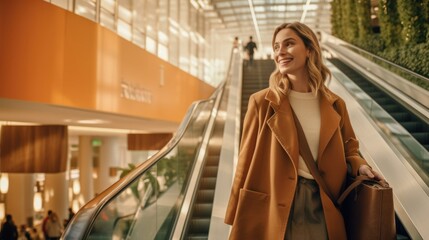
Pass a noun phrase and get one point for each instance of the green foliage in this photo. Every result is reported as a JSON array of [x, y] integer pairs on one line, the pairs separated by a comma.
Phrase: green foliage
[[413, 21], [166, 167], [125, 171], [349, 20], [363, 16], [404, 28], [372, 43], [336, 18], [388, 18], [134, 186], [414, 58]]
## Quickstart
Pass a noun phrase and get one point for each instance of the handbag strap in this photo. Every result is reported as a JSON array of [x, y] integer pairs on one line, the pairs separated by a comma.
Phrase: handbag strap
[[305, 152]]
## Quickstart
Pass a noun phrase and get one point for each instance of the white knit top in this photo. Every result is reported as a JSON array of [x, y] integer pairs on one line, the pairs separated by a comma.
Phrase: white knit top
[[307, 108]]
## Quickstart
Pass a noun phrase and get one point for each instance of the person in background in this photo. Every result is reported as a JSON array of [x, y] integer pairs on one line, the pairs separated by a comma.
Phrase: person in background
[[250, 49], [9, 231], [71, 214], [45, 234], [236, 44], [35, 234], [53, 227], [274, 195], [23, 233]]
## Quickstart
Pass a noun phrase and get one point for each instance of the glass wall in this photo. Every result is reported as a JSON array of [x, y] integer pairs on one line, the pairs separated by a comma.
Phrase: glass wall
[[174, 30]]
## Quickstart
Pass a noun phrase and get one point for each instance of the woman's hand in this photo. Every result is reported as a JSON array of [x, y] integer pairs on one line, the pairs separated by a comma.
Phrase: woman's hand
[[367, 171]]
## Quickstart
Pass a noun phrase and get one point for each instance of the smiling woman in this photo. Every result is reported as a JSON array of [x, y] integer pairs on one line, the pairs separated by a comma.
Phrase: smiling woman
[[274, 194], [297, 48]]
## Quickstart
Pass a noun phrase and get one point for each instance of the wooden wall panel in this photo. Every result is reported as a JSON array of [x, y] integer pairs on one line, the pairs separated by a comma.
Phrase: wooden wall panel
[[33, 149], [149, 141]]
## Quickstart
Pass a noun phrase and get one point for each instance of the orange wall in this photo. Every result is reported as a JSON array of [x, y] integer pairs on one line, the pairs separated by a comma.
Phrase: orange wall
[[53, 56]]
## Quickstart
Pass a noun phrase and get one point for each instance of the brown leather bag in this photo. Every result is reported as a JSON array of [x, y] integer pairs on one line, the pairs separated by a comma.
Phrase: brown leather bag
[[366, 204], [367, 207]]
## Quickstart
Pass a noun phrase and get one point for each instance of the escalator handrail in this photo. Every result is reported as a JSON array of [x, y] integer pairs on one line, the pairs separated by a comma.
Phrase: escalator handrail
[[189, 197]]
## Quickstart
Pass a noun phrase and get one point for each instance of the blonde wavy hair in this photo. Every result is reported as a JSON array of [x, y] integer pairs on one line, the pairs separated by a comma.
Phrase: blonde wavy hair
[[318, 72]]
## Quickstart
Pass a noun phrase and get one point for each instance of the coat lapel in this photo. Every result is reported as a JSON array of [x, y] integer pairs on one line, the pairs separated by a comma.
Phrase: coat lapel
[[282, 125], [329, 123]]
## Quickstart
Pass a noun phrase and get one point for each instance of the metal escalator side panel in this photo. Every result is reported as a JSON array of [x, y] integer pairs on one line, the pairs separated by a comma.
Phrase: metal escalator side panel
[[118, 211]]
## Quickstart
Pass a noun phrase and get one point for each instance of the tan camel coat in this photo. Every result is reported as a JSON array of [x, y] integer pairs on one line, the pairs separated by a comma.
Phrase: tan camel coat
[[266, 175]]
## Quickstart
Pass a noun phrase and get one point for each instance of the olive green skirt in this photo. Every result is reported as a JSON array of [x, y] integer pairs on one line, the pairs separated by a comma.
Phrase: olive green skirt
[[306, 218]]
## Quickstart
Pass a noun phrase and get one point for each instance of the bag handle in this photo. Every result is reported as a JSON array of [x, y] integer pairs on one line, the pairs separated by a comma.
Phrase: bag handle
[[358, 180]]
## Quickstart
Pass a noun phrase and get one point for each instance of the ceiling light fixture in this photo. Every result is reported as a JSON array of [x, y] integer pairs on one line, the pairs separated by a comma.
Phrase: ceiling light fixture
[[2, 210], [37, 202], [195, 4], [92, 121], [255, 23], [304, 13], [94, 130], [4, 183]]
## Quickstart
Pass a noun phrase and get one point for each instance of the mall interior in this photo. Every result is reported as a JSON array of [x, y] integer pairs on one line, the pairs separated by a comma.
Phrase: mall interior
[[129, 113]]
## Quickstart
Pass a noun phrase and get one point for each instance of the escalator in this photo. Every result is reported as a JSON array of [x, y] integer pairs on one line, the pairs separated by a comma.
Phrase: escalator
[[411, 129], [199, 222], [255, 78], [416, 126], [149, 202]]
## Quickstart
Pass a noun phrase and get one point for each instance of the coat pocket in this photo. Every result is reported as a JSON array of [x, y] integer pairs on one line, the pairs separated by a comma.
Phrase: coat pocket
[[252, 215]]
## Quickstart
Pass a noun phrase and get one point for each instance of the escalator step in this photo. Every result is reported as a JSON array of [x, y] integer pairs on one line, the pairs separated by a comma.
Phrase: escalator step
[[422, 137], [210, 171], [205, 196], [412, 126], [208, 183], [392, 108], [212, 160], [215, 146], [249, 92], [199, 225], [376, 94], [383, 100], [401, 116], [197, 237], [202, 210]]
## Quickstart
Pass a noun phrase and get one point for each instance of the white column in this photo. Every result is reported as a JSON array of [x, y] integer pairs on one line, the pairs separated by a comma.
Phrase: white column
[[56, 194], [19, 199], [85, 168], [110, 155]]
